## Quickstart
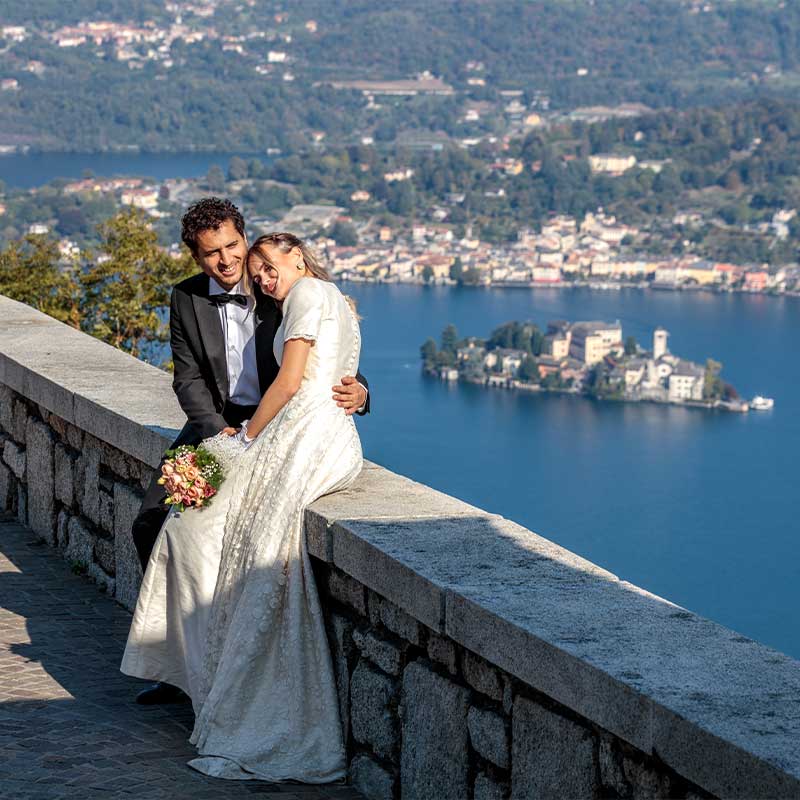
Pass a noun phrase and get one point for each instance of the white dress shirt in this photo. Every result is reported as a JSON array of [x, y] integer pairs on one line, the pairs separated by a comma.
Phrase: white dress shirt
[[238, 329]]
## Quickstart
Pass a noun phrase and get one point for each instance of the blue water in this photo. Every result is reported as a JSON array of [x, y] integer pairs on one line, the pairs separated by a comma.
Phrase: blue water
[[36, 169], [696, 506]]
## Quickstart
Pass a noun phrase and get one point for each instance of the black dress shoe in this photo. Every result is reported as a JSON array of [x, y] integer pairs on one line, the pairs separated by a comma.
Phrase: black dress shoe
[[160, 693]]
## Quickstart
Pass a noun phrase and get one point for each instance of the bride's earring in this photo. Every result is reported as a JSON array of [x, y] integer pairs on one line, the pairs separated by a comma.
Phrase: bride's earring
[[300, 264]]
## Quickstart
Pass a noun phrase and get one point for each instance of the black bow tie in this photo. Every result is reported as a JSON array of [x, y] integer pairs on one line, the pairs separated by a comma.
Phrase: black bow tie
[[221, 299]]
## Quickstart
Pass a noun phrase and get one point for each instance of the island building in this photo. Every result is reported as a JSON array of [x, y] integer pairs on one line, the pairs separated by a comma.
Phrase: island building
[[686, 382], [591, 342], [660, 336]]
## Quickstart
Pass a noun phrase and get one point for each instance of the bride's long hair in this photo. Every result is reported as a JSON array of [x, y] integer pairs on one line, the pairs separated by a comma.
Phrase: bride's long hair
[[285, 242]]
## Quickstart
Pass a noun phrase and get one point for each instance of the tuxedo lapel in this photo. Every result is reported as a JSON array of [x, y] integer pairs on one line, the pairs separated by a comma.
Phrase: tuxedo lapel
[[213, 339], [269, 318]]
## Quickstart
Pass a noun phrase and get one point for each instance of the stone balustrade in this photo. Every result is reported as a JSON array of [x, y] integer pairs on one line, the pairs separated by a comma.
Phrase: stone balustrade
[[474, 658]]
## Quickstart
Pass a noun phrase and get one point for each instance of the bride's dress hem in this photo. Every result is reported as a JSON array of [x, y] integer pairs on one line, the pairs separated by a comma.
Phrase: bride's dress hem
[[241, 772]]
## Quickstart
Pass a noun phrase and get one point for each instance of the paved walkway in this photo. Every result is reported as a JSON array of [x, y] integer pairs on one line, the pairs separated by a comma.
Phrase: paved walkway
[[68, 725]]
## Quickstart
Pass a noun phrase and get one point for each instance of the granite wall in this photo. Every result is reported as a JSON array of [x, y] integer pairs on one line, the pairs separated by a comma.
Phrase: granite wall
[[474, 658]]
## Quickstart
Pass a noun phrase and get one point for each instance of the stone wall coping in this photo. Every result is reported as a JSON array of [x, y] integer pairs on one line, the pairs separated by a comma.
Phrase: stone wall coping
[[720, 709], [105, 392]]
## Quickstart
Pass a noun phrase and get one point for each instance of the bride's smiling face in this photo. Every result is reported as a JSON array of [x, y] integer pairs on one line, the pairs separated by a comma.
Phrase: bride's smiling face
[[276, 272]]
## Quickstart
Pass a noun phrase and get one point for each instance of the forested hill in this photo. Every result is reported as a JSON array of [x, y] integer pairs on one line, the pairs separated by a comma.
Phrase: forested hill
[[265, 67]]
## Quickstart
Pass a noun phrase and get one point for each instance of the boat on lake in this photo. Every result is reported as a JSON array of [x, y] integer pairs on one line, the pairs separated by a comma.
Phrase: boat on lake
[[759, 403]]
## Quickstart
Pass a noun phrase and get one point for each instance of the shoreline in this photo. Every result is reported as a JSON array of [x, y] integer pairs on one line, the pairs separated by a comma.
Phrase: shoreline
[[515, 385], [601, 287]]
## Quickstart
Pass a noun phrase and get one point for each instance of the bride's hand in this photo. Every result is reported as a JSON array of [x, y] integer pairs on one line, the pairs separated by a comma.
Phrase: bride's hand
[[230, 431]]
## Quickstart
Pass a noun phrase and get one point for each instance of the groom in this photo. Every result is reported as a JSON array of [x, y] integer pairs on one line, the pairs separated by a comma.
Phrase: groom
[[221, 343]]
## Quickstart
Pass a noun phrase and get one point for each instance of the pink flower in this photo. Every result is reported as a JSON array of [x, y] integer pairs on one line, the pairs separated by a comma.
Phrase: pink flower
[[192, 473], [177, 497], [167, 469], [209, 490]]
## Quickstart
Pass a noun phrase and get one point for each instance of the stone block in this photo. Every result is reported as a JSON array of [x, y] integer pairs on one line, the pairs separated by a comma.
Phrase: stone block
[[22, 504], [379, 651], [19, 420], [103, 580], [74, 437], [489, 736], [717, 764], [146, 477], [6, 409], [372, 710], [116, 461], [612, 775], [552, 758], [482, 676], [80, 544], [59, 425], [375, 554], [318, 538], [62, 530], [443, 651], [126, 559], [64, 473], [104, 555], [107, 512], [343, 655], [6, 488], [41, 480], [14, 456], [131, 423], [379, 493], [371, 779], [646, 783], [347, 591], [393, 618], [488, 789], [434, 757], [89, 469]]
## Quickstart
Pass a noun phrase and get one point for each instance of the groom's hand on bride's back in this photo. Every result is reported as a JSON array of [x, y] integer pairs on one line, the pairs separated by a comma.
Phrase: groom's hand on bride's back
[[350, 395]]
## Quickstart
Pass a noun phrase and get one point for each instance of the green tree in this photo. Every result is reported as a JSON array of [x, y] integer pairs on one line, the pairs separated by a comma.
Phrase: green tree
[[428, 352], [457, 270], [215, 178], [449, 339], [31, 273], [344, 234], [630, 346], [528, 371], [238, 169], [127, 289], [713, 385], [427, 273]]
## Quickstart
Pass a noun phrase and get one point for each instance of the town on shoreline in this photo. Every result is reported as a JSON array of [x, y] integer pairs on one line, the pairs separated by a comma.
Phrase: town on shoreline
[[565, 253], [583, 358]]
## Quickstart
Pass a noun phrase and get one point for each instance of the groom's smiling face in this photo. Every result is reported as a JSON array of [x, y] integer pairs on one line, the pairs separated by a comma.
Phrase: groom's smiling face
[[221, 254]]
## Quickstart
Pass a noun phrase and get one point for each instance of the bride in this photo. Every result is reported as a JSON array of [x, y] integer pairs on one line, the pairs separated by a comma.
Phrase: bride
[[228, 610]]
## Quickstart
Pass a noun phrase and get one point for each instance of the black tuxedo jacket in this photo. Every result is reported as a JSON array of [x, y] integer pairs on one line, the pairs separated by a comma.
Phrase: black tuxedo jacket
[[198, 353]]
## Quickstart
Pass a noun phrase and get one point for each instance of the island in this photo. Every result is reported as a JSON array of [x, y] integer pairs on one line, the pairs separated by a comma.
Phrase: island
[[586, 358]]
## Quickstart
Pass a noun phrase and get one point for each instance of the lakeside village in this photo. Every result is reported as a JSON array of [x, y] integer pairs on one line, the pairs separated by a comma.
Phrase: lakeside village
[[586, 358], [565, 253]]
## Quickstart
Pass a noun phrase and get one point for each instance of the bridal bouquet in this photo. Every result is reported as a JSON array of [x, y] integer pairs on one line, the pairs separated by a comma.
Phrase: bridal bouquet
[[191, 476]]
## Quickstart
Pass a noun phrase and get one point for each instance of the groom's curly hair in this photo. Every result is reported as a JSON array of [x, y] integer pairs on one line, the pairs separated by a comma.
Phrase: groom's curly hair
[[208, 214]]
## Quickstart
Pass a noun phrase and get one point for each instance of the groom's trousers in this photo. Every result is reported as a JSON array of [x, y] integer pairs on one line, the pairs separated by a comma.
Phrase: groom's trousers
[[154, 510]]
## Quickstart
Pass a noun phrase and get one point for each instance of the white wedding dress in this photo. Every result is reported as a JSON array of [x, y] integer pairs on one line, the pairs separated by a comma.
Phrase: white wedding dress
[[228, 609]]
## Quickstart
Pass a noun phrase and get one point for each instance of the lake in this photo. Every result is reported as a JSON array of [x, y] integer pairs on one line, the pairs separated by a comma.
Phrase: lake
[[25, 171], [697, 506]]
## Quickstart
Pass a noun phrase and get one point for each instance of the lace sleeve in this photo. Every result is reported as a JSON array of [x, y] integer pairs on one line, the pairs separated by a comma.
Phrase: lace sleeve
[[303, 310]]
